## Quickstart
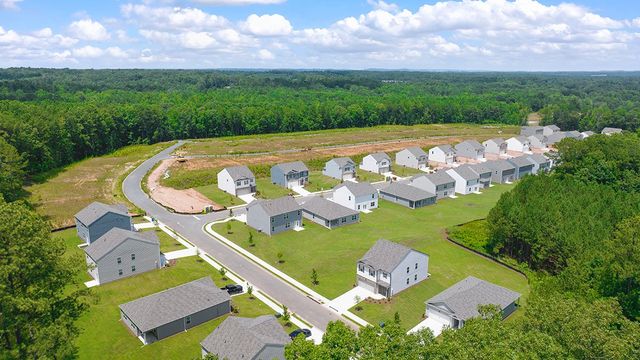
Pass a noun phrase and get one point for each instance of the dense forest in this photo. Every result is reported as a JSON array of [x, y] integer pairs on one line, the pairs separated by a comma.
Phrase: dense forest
[[55, 117]]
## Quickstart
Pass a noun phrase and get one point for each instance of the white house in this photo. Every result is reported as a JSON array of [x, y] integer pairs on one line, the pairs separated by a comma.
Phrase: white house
[[377, 162], [518, 144], [388, 268], [495, 146], [537, 141], [444, 154], [237, 180], [342, 168], [413, 157], [550, 129], [356, 196], [467, 180]]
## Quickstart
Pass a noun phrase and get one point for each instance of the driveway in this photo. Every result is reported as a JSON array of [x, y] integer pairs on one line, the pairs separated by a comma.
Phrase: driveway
[[347, 300], [431, 323], [247, 198], [301, 191]]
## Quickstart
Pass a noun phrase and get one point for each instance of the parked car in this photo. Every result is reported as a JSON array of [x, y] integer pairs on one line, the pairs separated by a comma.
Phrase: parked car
[[232, 289], [297, 332]]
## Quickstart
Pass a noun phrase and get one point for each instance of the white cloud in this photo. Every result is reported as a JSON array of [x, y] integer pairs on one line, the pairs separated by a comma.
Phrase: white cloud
[[381, 5], [9, 4], [87, 52], [267, 25], [264, 54], [44, 33], [636, 22], [88, 29], [116, 52], [166, 18], [239, 2]]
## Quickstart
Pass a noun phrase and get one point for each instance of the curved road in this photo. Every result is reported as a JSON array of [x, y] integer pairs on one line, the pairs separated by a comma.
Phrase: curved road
[[192, 228]]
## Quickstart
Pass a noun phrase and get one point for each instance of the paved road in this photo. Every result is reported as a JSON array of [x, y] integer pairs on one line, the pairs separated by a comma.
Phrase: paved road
[[191, 227]]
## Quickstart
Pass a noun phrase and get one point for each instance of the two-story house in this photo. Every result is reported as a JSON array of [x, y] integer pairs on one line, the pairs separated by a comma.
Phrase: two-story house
[[274, 216], [377, 162], [502, 171], [523, 166], [290, 174], [531, 130], [470, 150], [237, 180], [540, 163], [495, 146], [97, 218], [356, 196], [439, 183], [550, 129], [467, 180], [342, 168], [443, 154], [413, 157], [518, 144], [484, 173]]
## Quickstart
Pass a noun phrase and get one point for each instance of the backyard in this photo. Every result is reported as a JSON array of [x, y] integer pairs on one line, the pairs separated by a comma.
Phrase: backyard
[[167, 243]]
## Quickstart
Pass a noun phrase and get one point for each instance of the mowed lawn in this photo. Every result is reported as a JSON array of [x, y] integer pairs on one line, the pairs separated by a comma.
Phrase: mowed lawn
[[367, 176], [319, 182], [333, 253], [167, 243], [267, 190], [218, 196]]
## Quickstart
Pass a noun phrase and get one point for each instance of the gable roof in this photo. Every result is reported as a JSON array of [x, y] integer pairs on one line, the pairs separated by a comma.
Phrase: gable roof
[[587, 133], [416, 151], [96, 210], [611, 130], [501, 165], [464, 297], [470, 144], [479, 168], [538, 158], [537, 136], [327, 209], [446, 148], [534, 128], [297, 166], [379, 156], [437, 178], [520, 161], [555, 137], [239, 172], [573, 134], [163, 307], [405, 191], [465, 172], [357, 189], [342, 161], [244, 338], [497, 141], [277, 206], [521, 138], [116, 236], [385, 255], [553, 127]]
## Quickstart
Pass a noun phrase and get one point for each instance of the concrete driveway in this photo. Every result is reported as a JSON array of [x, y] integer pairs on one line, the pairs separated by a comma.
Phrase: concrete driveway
[[432, 324], [347, 300]]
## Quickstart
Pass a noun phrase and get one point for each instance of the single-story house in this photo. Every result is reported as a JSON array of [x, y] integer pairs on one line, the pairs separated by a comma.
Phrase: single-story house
[[275, 215], [523, 166], [342, 168], [550, 129], [388, 268], [540, 163], [495, 146], [531, 130], [239, 338], [290, 174], [502, 171], [160, 315], [611, 131], [537, 142], [407, 195], [470, 149], [377, 162], [413, 157], [460, 302], [444, 154], [237, 180], [555, 138], [122, 253], [467, 180], [586, 134], [484, 174], [97, 218], [356, 196], [439, 183], [518, 144], [328, 213]]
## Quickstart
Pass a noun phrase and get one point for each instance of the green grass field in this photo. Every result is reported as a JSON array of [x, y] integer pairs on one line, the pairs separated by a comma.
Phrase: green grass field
[[404, 171], [267, 190], [367, 176], [218, 196], [167, 243], [319, 182], [333, 253]]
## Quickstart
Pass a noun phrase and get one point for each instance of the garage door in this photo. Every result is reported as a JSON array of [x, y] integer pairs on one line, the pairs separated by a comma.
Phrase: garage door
[[366, 285], [434, 314]]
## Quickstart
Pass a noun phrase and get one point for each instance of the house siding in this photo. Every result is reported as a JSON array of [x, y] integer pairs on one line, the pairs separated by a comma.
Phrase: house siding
[[462, 185], [501, 177], [399, 275], [408, 203], [369, 163], [147, 258], [100, 227], [406, 158], [261, 221], [437, 155], [490, 147], [345, 198], [230, 186], [288, 180], [333, 169], [330, 224], [442, 191]]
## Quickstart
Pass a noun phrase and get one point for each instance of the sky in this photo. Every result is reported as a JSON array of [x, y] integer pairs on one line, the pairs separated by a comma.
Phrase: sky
[[467, 35]]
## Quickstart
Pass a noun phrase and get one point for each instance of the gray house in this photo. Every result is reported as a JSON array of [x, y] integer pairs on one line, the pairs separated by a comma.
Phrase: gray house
[[495, 146], [122, 253], [413, 157], [328, 213], [439, 183], [484, 172], [611, 131], [460, 302], [407, 195], [239, 338], [377, 162], [388, 268], [96, 219], [470, 149], [523, 166], [537, 141], [550, 129], [555, 138], [531, 130], [502, 171], [573, 134], [342, 168], [290, 174], [540, 163], [274, 216], [175, 310], [237, 180]]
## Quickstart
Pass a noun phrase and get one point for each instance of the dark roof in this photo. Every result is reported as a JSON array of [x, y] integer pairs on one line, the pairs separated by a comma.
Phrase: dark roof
[[470, 144], [357, 189], [385, 255], [416, 151], [297, 166], [244, 338], [239, 172], [379, 156], [326, 209], [407, 192], [116, 236], [520, 161], [500, 165], [277, 206], [96, 210], [163, 307], [437, 178], [342, 161], [464, 297], [465, 172]]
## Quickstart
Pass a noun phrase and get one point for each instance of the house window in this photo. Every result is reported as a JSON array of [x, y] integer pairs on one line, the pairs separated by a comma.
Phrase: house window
[[372, 272], [133, 257], [287, 225], [384, 275], [361, 267], [415, 277], [407, 281], [120, 272], [298, 212], [238, 183], [354, 217], [272, 219], [188, 319], [416, 265], [246, 182], [286, 216], [373, 196], [133, 268], [407, 269], [119, 260], [349, 197], [358, 206], [373, 203], [344, 219], [273, 229]]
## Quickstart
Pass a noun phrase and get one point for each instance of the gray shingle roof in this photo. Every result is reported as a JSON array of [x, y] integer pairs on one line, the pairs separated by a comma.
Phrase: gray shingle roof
[[96, 210], [538, 158], [240, 172], [342, 161], [437, 178], [243, 338], [163, 307], [277, 206], [469, 144], [553, 127], [416, 151], [501, 165], [497, 141], [480, 169], [534, 128], [326, 209], [446, 148], [297, 166], [407, 192], [116, 236], [465, 172], [357, 189], [520, 161], [385, 255], [379, 156], [573, 134], [555, 137], [522, 139], [611, 130], [464, 297]]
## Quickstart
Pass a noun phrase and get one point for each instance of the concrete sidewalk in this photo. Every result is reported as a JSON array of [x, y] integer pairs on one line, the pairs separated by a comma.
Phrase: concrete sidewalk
[[301, 191]]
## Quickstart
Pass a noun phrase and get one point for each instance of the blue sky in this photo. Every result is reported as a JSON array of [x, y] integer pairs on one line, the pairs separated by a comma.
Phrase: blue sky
[[504, 35]]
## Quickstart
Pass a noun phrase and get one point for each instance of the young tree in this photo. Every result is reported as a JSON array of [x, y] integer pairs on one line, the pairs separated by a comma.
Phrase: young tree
[[286, 316], [357, 299], [250, 291], [251, 243], [314, 277], [223, 273], [280, 255], [228, 227]]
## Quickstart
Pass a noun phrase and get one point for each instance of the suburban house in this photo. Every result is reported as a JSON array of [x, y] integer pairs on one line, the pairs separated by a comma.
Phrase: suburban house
[[377, 162], [274, 216], [586, 134], [413, 157], [540, 163], [467, 180], [611, 131], [97, 218], [444, 154], [531, 130], [342, 168], [237, 180], [356, 196], [523, 166], [175, 310], [460, 302], [518, 144], [407, 195], [388, 268], [537, 142], [439, 183], [237, 338], [495, 146], [573, 134], [550, 129], [122, 253], [290, 174], [502, 171], [484, 174], [555, 138], [328, 213], [470, 149]]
